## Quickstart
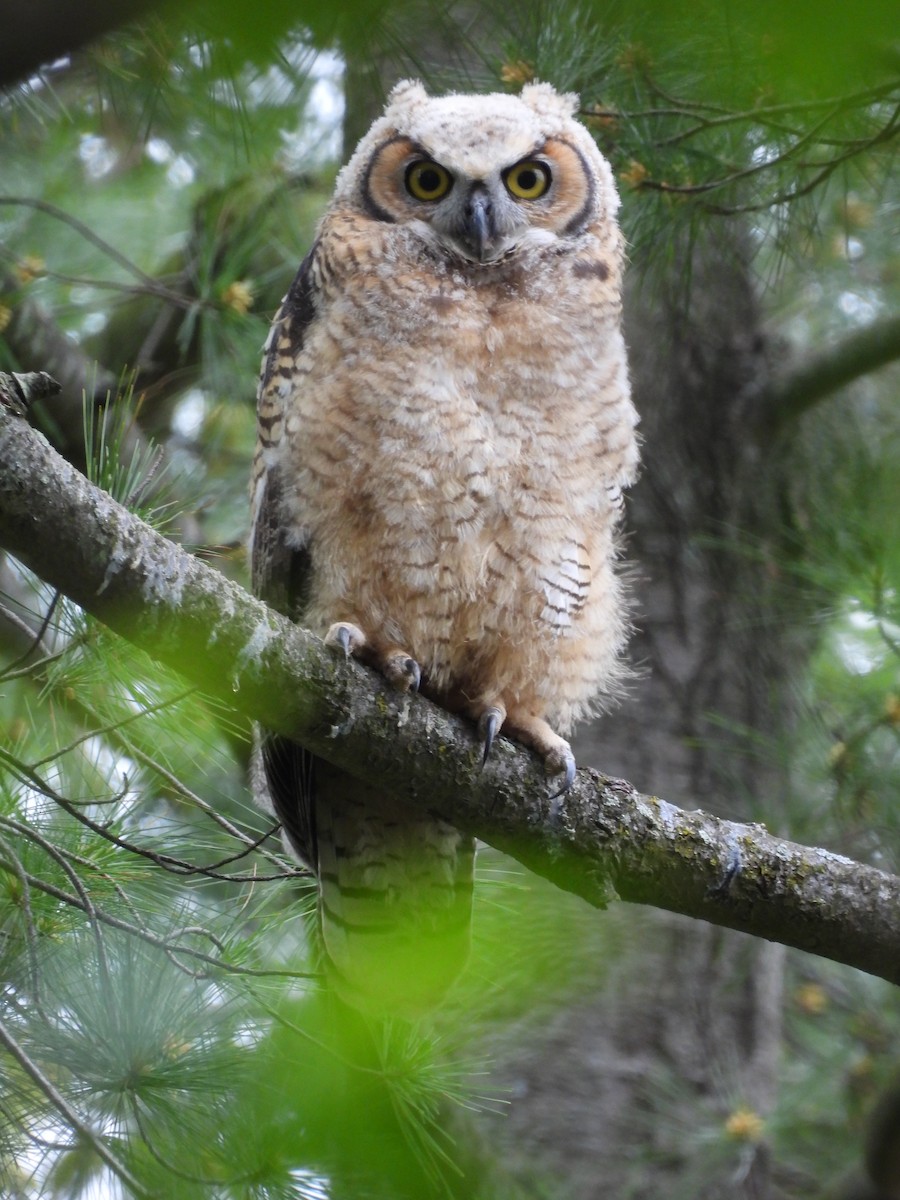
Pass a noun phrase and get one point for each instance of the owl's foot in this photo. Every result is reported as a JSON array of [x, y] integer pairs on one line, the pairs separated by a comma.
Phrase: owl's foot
[[555, 750], [399, 669], [531, 731], [347, 637]]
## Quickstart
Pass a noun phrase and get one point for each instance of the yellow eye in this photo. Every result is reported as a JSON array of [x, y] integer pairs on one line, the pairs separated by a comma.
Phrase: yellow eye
[[428, 180], [527, 180]]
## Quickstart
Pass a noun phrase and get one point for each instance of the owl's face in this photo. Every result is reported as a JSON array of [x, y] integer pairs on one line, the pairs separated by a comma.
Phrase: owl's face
[[480, 177]]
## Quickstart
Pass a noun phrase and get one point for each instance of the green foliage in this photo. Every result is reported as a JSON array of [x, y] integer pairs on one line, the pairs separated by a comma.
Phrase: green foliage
[[153, 961], [844, 1043]]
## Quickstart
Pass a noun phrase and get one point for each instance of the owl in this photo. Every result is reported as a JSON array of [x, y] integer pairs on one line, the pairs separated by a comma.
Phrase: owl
[[444, 432]]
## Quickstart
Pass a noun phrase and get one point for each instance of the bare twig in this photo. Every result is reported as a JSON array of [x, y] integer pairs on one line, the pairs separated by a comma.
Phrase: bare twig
[[113, 726], [37, 636], [148, 283], [31, 834], [181, 789], [177, 866], [822, 168], [24, 904]]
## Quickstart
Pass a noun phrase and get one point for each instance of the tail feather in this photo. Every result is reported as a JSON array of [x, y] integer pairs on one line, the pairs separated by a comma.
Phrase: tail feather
[[395, 883], [395, 899]]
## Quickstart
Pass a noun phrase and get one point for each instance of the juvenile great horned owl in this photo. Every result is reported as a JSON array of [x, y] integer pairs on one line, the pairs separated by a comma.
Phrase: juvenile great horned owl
[[445, 429]]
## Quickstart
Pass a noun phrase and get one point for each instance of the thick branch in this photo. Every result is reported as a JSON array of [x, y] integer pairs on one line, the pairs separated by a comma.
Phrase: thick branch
[[43, 30], [820, 375], [189, 617]]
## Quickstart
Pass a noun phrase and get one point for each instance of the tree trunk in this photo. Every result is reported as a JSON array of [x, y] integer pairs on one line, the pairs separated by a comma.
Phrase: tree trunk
[[618, 1090]]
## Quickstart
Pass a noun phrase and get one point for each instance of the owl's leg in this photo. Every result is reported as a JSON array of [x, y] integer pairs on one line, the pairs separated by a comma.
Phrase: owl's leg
[[395, 664]]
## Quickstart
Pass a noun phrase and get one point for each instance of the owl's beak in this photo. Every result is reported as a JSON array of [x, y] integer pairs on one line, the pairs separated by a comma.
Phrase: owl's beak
[[479, 228]]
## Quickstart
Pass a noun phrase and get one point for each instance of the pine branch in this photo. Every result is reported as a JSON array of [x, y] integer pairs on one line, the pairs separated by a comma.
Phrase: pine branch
[[68, 1113], [605, 838], [820, 375]]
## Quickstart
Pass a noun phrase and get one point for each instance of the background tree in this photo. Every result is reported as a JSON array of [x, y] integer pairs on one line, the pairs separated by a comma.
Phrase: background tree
[[641, 1054]]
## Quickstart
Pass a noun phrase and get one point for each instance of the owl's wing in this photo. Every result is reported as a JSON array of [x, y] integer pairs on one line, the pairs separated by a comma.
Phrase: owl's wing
[[280, 567], [566, 583]]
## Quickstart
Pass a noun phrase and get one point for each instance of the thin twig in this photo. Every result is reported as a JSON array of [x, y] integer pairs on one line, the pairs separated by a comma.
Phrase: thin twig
[[53, 852], [884, 134], [89, 235], [33, 669], [115, 725], [763, 114], [36, 635], [710, 185], [113, 730], [176, 866], [181, 789], [158, 290], [31, 937], [218, 1183]]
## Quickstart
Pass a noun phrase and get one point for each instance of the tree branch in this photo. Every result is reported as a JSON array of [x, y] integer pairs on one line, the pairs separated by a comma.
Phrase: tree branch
[[606, 835], [43, 30], [820, 375]]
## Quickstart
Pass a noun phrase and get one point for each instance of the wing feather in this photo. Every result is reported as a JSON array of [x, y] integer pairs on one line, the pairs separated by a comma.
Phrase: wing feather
[[280, 567]]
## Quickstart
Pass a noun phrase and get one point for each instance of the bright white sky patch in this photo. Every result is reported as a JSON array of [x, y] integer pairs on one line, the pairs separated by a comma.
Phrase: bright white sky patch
[[187, 419], [856, 307], [97, 155], [317, 136], [310, 1186], [159, 151]]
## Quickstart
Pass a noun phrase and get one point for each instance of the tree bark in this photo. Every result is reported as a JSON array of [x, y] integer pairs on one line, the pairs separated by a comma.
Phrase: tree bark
[[820, 375]]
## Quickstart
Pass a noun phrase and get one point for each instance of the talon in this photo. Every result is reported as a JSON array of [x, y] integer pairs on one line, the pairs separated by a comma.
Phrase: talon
[[342, 637], [489, 724], [568, 765], [415, 673]]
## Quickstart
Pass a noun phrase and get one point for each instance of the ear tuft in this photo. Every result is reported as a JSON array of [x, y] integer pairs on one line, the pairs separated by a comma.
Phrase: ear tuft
[[408, 92], [547, 101]]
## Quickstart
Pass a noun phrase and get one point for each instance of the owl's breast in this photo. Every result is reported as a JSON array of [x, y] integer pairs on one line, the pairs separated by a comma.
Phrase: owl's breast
[[459, 396], [450, 441]]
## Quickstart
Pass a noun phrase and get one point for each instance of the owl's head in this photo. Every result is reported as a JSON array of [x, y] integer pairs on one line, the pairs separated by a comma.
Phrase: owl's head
[[481, 176]]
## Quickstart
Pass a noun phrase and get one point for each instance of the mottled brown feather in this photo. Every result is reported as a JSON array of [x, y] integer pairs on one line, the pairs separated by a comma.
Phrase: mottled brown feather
[[443, 444]]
